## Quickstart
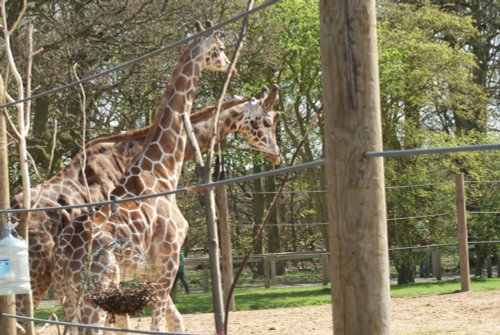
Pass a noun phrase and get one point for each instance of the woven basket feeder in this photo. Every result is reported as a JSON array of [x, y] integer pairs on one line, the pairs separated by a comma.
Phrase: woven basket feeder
[[122, 300]]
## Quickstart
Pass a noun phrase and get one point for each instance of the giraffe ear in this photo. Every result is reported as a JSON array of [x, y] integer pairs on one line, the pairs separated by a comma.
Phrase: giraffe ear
[[198, 26], [271, 98]]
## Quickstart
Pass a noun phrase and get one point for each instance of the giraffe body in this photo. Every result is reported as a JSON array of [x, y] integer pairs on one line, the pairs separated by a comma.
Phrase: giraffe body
[[140, 236], [106, 160], [96, 250]]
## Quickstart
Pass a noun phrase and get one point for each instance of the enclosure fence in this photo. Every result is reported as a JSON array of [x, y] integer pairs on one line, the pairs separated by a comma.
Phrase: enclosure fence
[[289, 169]]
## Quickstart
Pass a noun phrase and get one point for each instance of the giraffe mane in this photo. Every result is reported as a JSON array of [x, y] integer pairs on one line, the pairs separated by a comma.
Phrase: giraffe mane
[[197, 116], [170, 87], [133, 134], [207, 112]]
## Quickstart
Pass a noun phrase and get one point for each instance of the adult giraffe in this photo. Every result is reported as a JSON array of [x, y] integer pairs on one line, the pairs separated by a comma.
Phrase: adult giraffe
[[106, 160], [109, 240]]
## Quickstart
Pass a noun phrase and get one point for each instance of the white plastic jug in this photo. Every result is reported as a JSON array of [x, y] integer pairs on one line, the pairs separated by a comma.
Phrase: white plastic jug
[[14, 265]]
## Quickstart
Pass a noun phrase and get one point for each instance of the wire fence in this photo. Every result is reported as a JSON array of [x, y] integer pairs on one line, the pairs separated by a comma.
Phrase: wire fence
[[69, 324], [426, 151], [289, 169], [143, 57]]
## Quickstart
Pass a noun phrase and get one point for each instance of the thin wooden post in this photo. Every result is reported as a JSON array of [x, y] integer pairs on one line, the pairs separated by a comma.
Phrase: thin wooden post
[[463, 246], [267, 275], [437, 269], [273, 270], [205, 277], [354, 184], [8, 302], [225, 244], [325, 264]]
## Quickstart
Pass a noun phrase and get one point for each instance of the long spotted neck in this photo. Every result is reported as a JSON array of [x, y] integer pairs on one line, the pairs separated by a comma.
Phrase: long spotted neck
[[228, 123], [158, 168]]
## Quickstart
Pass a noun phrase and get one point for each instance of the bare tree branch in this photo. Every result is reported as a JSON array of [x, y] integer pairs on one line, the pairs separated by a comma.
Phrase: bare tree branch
[[84, 131], [19, 17]]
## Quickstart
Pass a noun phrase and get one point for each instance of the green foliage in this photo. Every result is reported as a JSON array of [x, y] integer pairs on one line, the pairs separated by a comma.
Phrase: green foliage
[[438, 68]]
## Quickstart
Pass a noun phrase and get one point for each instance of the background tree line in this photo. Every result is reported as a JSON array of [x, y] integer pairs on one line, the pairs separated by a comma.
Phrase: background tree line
[[439, 71]]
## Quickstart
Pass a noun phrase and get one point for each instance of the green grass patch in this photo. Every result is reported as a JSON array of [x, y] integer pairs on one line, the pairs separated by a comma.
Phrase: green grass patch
[[261, 298], [435, 287]]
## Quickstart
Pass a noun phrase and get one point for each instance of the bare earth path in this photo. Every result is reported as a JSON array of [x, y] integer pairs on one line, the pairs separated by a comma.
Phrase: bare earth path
[[461, 313]]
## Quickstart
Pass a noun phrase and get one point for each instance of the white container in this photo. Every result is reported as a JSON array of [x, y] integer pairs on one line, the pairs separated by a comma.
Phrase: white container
[[14, 265]]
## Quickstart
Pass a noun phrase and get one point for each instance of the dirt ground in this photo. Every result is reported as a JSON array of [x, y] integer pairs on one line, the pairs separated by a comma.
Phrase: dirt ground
[[460, 313]]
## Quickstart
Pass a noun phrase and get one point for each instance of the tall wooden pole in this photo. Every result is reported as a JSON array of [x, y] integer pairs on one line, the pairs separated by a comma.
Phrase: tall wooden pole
[[8, 302], [355, 185], [463, 247], [225, 244]]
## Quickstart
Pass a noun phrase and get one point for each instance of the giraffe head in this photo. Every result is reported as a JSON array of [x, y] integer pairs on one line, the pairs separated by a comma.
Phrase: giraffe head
[[211, 50], [259, 125]]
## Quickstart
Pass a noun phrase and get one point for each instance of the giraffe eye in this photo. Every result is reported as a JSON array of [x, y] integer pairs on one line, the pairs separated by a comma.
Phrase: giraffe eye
[[267, 122]]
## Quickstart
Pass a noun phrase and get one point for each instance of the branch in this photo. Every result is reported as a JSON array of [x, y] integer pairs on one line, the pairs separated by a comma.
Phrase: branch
[[232, 65], [32, 161], [43, 183], [53, 149], [4, 95], [15, 72], [84, 131], [28, 78], [19, 17], [192, 138]]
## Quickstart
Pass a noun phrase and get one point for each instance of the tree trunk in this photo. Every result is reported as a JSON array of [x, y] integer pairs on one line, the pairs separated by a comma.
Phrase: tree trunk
[[406, 272]]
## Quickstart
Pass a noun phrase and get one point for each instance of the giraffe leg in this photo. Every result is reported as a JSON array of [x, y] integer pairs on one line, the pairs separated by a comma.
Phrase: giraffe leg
[[90, 315], [121, 321], [175, 320], [158, 318]]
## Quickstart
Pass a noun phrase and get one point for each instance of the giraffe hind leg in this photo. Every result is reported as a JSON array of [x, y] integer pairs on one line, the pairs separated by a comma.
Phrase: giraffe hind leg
[[175, 320]]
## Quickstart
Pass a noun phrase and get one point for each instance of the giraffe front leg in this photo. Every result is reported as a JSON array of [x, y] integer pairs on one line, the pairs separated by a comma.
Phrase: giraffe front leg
[[121, 321], [90, 315], [158, 322]]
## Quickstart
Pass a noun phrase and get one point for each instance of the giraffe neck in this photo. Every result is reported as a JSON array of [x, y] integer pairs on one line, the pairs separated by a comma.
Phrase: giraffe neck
[[158, 168], [229, 122]]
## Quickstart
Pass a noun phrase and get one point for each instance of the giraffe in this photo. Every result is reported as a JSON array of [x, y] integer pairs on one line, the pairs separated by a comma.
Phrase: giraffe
[[106, 160], [153, 228]]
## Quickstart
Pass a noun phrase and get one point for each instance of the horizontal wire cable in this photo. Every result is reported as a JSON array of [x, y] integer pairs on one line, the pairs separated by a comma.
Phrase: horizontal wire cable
[[407, 152], [419, 217], [482, 182], [420, 185], [199, 187], [70, 324], [143, 57], [441, 245], [252, 225]]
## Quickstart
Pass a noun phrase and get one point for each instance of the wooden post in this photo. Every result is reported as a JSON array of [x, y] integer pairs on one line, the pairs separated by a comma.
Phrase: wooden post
[[205, 277], [325, 264], [225, 244], [436, 263], [463, 247], [8, 302], [354, 184], [267, 275], [273, 270]]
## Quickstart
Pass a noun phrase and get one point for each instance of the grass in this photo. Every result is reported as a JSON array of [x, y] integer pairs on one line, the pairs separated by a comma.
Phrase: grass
[[434, 287], [260, 298]]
